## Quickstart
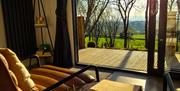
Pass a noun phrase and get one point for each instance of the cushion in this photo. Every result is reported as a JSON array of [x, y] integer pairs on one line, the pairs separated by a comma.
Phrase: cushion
[[84, 77], [22, 74], [45, 81], [9, 75], [40, 87], [4, 60], [13, 76], [58, 76]]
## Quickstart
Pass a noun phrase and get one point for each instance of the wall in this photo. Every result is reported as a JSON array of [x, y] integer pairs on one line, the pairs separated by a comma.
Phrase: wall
[[50, 7], [70, 25], [2, 30]]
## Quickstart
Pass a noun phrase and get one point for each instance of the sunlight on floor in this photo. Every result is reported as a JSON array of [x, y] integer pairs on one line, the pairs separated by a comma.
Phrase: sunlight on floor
[[115, 58]]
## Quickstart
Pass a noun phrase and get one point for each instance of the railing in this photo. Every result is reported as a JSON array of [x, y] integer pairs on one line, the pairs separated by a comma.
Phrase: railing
[[72, 76]]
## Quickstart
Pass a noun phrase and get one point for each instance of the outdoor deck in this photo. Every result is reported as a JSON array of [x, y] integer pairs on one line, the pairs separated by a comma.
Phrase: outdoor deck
[[123, 59]]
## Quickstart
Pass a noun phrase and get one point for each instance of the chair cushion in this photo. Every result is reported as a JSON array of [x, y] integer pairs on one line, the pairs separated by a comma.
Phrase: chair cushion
[[4, 61], [13, 76], [44, 81], [58, 76], [9, 79], [22, 74], [7, 68], [40, 87], [84, 77]]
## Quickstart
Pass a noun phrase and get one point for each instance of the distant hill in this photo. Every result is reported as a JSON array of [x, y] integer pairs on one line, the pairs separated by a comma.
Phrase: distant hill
[[134, 26], [138, 26]]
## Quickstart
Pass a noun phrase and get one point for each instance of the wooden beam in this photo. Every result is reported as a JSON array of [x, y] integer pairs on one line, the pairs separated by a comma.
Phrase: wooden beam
[[151, 35], [162, 35]]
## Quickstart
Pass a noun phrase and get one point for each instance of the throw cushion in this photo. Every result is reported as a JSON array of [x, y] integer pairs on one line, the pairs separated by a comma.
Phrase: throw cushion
[[4, 60], [22, 74], [12, 75], [58, 76], [84, 77]]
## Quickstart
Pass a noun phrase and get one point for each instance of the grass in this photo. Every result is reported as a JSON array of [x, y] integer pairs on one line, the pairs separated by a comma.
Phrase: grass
[[137, 43], [138, 36]]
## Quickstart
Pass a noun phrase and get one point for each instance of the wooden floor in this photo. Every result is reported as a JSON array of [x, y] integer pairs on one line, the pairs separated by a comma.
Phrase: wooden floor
[[122, 59]]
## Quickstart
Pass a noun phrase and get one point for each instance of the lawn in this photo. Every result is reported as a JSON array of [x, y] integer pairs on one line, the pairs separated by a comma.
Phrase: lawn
[[138, 36], [138, 42]]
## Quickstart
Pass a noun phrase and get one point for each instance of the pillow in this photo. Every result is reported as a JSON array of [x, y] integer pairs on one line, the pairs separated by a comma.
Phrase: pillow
[[22, 74], [4, 61], [12, 75]]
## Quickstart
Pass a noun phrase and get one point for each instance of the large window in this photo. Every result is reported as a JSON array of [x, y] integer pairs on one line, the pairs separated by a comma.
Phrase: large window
[[116, 33]]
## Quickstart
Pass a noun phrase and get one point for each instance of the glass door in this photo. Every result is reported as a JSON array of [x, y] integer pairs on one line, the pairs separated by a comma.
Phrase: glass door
[[156, 35], [112, 36]]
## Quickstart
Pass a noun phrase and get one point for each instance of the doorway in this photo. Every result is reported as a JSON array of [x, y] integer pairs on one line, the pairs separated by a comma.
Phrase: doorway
[[150, 68]]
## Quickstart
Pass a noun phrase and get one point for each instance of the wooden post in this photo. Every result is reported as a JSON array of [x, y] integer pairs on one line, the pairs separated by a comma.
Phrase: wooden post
[[151, 35], [162, 36], [80, 31]]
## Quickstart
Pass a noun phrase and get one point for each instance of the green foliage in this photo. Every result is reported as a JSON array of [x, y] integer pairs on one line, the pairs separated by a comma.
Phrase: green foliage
[[45, 47], [137, 42], [139, 36]]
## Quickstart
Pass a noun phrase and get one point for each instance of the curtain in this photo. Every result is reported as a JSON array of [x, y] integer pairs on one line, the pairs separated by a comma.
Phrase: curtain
[[62, 52], [19, 26]]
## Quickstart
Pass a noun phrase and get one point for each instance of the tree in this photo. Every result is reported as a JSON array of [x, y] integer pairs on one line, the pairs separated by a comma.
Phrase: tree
[[112, 28], [97, 32], [92, 10], [104, 33], [171, 4], [81, 11], [124, 8]]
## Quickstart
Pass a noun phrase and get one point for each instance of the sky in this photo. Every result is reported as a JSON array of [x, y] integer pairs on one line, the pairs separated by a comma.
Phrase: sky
[[137, 13]]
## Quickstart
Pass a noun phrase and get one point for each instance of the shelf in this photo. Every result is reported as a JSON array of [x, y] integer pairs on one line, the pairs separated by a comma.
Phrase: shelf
[[40, 25], [45, 54]]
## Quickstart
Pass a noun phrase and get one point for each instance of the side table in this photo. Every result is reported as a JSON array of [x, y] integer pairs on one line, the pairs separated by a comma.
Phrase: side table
[[107, 85], [39, 55]]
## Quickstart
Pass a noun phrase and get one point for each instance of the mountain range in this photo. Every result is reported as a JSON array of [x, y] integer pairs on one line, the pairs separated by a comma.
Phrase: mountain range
[[137, 26]]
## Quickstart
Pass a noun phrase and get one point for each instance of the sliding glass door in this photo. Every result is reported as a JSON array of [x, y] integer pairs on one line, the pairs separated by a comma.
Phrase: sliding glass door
[[155, 37]]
